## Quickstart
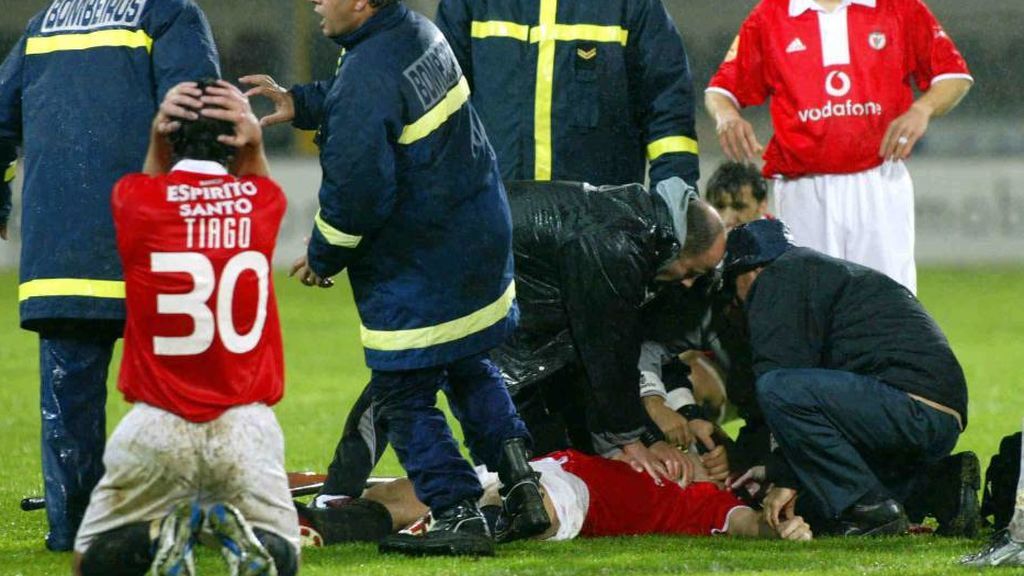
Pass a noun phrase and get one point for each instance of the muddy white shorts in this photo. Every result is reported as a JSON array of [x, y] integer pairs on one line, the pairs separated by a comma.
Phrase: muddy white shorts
[[155, 459], [865, 217]]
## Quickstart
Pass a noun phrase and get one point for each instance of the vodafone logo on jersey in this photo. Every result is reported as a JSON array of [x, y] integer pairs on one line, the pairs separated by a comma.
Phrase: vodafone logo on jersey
[[838, 85]]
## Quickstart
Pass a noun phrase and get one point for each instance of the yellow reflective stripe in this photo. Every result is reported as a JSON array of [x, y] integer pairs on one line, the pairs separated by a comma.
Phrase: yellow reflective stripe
[[71, 287], [9, 173], [334, 236], [393, 340], [671, 144], [544, 90], [121, 38], [499, 29], [576, 32], [437, 115]]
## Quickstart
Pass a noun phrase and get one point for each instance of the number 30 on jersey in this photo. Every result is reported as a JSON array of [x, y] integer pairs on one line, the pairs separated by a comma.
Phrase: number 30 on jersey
[[220, 320]]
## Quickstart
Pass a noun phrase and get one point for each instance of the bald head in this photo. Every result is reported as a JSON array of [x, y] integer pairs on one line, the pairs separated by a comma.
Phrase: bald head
[[703, 227]]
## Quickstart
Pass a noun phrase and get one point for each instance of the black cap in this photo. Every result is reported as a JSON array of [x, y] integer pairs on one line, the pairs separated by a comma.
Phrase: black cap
[[755, 244]]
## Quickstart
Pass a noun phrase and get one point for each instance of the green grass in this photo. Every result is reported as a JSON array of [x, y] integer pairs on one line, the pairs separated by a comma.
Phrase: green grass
[[325, 371]]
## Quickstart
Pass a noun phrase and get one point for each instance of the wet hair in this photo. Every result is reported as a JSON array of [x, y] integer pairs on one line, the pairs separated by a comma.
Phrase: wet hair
[[703, 226], [197, 139], [731, 177]]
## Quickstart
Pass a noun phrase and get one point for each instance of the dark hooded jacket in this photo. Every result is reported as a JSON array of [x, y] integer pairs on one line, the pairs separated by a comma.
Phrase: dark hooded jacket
[[585, 260]]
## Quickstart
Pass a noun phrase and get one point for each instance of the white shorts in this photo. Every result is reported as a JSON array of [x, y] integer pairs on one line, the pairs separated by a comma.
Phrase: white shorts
[[866, 217], [155, 459]]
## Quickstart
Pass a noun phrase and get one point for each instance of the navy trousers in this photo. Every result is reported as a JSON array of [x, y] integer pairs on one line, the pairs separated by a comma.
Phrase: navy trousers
[[846, 435], [405, 402], [73, 397]]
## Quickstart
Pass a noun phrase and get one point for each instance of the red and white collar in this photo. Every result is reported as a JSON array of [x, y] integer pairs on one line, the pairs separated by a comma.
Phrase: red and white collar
[[798, 7], [207, 167]]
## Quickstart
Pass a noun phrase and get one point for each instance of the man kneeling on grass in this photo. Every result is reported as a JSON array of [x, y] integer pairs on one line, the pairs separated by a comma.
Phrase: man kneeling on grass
[[584, 495], [201, 447]]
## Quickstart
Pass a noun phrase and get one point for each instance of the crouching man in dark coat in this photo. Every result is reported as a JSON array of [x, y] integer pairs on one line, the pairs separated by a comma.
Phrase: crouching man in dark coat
[[858, 385]]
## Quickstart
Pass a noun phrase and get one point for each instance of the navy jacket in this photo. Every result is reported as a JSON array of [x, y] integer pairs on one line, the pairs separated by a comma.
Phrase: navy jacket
[[809, 310], [581, 90], [411, 201], [78, 93]]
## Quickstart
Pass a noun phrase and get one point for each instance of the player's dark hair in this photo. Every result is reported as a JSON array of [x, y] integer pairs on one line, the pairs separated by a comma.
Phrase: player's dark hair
[[382, 3], [197, 139], [703, 225], [731, 177]]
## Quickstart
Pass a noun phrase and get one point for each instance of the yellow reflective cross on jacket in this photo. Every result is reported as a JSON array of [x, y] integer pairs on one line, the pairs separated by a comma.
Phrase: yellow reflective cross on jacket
[[585, 90]]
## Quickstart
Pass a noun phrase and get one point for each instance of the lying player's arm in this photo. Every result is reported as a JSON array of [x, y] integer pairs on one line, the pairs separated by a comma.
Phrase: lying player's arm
[[747, 523]]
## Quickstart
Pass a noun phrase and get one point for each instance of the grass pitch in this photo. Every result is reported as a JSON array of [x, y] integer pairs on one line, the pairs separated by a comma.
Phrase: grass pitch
[[325, 372]]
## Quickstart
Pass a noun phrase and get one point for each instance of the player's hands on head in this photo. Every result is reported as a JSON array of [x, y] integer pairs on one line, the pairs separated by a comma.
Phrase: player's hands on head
[[284, 103], [301, 269], [796, 529], [224, 101], [737, 138], [779, 505], [671, 423], [180, 103], [904, 132]]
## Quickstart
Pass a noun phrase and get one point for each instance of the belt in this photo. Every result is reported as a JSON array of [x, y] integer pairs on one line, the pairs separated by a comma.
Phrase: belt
[[940, 408]]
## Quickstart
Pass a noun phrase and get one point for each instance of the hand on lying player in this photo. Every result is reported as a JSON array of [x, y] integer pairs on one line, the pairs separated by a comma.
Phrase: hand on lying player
[[779, 505], [795, 529], [673, 425], [716, 460]]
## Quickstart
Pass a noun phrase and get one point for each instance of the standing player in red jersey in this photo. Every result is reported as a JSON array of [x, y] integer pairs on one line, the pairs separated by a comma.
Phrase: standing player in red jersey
[[202, 355], [840, 75]]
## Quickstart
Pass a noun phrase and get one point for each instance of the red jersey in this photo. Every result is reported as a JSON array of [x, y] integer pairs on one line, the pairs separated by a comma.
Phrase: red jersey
[[836, 80], [202, 333], [625, 502]]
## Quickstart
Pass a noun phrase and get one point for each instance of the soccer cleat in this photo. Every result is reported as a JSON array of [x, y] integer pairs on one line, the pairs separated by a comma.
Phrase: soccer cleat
[[458, 531], [173, 554], [240, 548], [1002, 550]]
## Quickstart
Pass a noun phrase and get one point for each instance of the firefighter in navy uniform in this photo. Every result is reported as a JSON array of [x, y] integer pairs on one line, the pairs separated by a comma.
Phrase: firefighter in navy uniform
[[77, 94], [578, 90], [412, 205]]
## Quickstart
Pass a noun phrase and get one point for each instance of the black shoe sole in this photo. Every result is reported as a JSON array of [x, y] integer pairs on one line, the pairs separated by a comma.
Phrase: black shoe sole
[[964, 521], [896, 527], [437, 544]]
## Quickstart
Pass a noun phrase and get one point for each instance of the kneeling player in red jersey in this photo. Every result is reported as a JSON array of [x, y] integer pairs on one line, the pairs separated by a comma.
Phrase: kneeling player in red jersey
[[586, 496], [202, 354]]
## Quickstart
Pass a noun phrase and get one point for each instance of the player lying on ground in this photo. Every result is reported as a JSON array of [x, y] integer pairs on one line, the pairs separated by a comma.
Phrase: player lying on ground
[[585, 496]]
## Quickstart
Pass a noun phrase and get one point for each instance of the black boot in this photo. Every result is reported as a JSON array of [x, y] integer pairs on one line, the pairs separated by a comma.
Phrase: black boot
[[881, 518], [524, 513], [457, 531], [952, 496]]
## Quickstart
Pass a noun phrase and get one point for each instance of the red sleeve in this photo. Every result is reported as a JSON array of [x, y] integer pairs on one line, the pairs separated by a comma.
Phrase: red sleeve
[[121, 208], [932, 52], [742, 73]]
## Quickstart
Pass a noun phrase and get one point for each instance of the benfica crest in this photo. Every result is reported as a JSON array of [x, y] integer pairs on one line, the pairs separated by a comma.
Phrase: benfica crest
[[876, 40]]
